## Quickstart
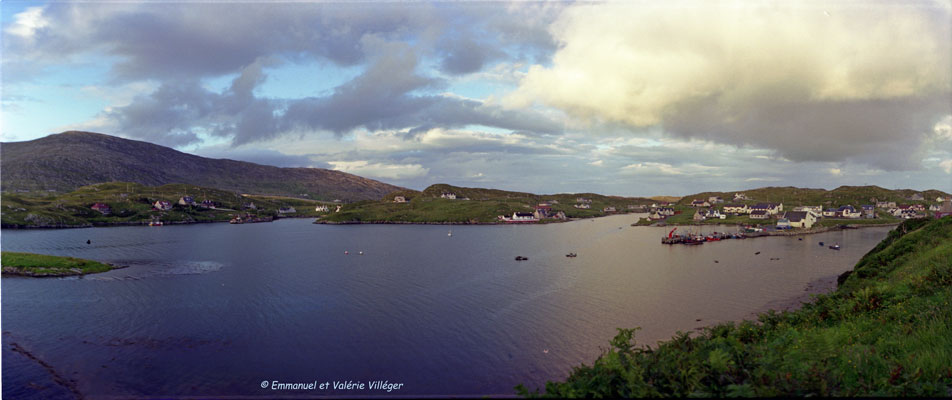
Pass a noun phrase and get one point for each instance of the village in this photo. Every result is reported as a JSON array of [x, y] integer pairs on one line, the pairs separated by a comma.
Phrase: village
[[746, 211]]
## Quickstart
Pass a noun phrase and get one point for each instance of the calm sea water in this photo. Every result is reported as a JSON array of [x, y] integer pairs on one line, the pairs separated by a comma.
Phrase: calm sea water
[[216, 309]]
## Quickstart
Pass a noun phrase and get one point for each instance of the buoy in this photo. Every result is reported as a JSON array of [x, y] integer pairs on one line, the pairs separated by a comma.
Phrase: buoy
[[346, 252], [757, 253], [360, 253], [546, 351], [88, 241]]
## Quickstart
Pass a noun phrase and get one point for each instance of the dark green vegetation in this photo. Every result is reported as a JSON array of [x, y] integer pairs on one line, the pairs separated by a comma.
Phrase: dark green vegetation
[[483, 206], [39, 265], [132, 203], [886, 331], [67, 161]]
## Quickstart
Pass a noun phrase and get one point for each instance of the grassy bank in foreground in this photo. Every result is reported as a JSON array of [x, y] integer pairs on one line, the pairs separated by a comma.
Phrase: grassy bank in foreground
[[39, 265], [886, 331]]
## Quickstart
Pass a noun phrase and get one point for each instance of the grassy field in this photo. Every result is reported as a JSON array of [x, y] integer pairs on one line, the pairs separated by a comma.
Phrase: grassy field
[[886, 331], [132, 203], [483, 206], [39, 265]]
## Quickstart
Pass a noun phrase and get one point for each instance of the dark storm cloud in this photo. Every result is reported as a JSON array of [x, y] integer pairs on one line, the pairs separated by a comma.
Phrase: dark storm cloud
[[466, 56], [888, 134]]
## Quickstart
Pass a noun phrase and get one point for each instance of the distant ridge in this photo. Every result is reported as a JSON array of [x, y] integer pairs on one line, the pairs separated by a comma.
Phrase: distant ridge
[[69, 160]]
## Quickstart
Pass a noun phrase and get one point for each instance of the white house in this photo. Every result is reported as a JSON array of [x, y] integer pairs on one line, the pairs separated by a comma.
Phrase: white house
[[583, 200], [399, 199], [770, 208], [322, 208], [186, 201], [609, 209], [286, 210], [523, 217], [815, 209], [736, 209], [583, 205], [162, 205], [759, 214], [666, 211], [700, 203], [715, 200], [848, 211], [800, 219], [451, 196], [740, 196]]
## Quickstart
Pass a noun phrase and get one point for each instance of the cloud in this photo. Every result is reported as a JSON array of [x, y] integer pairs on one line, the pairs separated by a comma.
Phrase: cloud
[[27, 23], [757, 75], [380, 170], [946, 166], [465, 56]]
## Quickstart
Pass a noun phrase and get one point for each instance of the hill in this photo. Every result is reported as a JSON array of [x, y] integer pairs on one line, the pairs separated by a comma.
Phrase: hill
[[66, 161], [886, 331], [793, 196], [132, 203], [475, 205]]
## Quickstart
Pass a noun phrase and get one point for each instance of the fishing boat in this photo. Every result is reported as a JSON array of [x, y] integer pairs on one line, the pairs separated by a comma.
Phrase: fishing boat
[[450, 233], [835, 247], [571, 255], [521, 258]]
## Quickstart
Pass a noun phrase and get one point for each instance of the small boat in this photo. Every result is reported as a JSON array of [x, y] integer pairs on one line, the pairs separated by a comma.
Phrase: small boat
[[821, 243], [835, 247], [756, 253], [571, 255], [155, 223], [450, 233], [521, 258]]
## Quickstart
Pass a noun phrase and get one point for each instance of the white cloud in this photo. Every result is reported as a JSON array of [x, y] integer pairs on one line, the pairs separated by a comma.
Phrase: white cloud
[[946, 166], [836, 171], [380, 170], [755, 74], [26, 23], [943, 128], [597, 163], [757, 179]]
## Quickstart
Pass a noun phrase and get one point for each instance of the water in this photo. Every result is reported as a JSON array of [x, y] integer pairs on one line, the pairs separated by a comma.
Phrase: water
[[215, 309]]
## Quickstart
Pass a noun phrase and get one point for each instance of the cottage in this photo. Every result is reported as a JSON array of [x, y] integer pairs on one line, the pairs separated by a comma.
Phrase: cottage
[[818, 210], [208, 204], [739, 196], [759, 214], [583, 205], [715, 200], [848, 211], [583, 200], [523, 217], [322, 208], [186, 201], [935, 207], [736, 209], [399, 199], [886, 204], [542, 211], [609, 209], [829, 213], [800, 219], [286, 210], [666, 211], [945, 210], [700, 203], [700, 215], [451, 196], [770, 208], [102, 208], [869, 211], [713, 213], [560, 216], [939, 199], [162, 205]]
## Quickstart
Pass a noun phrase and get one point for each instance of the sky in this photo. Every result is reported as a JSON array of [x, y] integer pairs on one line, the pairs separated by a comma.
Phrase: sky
[[621, 98]]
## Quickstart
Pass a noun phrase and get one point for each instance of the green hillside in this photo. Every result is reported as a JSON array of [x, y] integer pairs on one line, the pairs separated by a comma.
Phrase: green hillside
[[67, 161], [483, 206], [886, 331], [792, 196], [131, 203]]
